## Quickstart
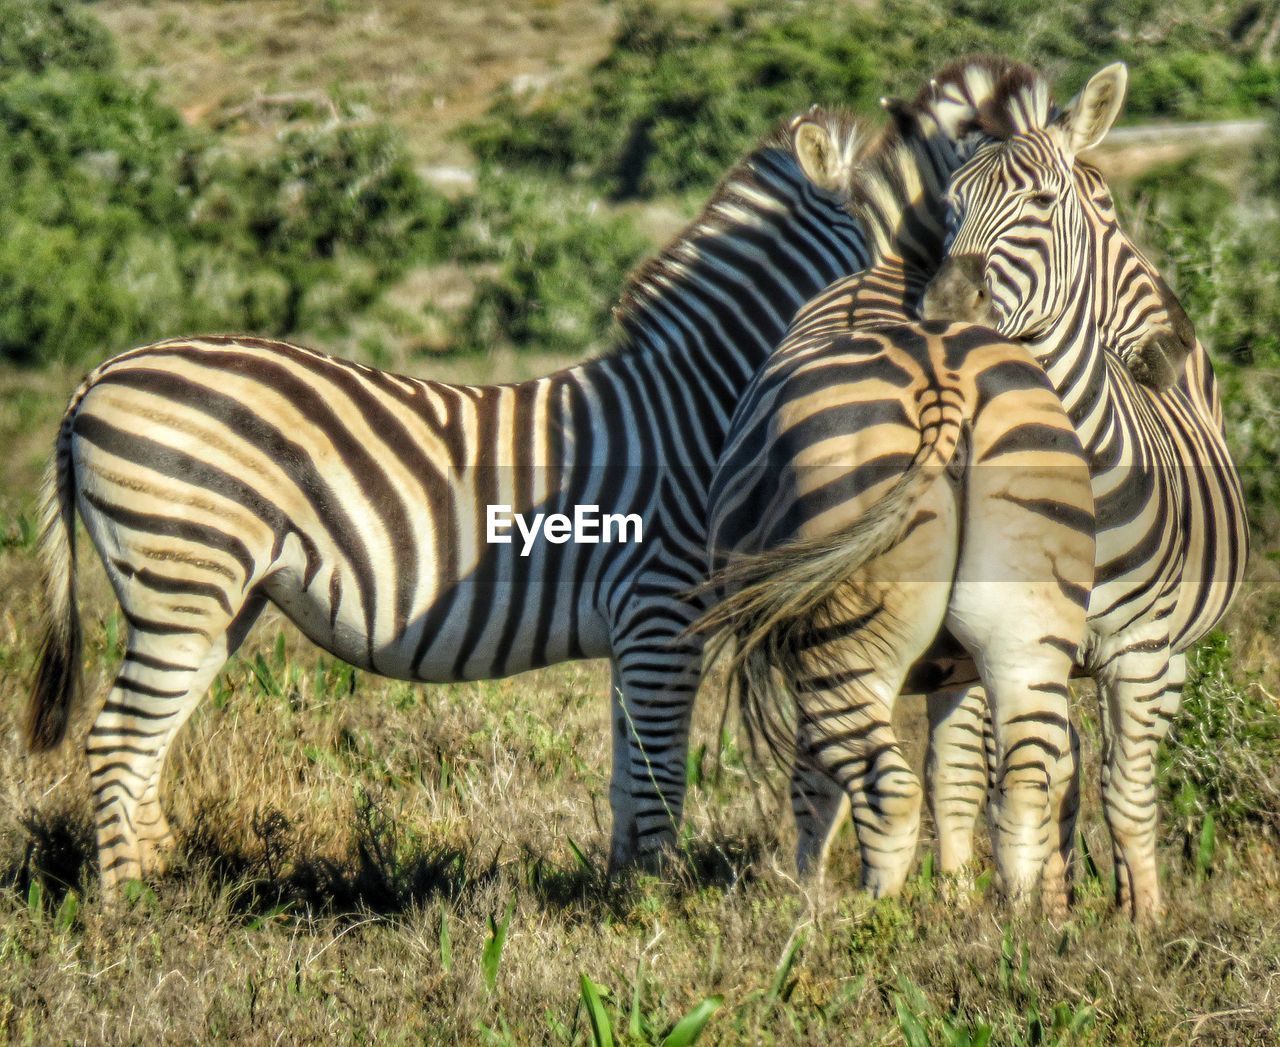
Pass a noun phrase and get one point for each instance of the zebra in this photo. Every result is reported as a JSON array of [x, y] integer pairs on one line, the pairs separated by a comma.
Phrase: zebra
[[898, 196], [959, 442], [1172, 533], [215, 475]]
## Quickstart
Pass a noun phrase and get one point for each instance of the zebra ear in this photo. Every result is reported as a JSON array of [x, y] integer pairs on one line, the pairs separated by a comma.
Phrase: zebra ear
[[819, 157], [1089, 116]]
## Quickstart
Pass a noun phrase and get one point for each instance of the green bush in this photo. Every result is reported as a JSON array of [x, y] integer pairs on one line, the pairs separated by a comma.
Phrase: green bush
[[1217, 247], [337, 211], [681, 95], [122, 225], [38, 35], [1222, 758], [346, 186], [551, 266]]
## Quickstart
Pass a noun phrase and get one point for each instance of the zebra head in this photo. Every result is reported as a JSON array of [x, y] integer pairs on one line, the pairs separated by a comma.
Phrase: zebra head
[[1018, 236]]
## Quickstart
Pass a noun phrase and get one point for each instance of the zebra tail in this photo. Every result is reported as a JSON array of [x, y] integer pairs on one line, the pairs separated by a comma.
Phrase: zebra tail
[[57, 679], [778, 599]]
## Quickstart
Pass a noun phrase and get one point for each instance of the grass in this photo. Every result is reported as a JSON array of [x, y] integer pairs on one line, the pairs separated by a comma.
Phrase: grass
[[363, 860]]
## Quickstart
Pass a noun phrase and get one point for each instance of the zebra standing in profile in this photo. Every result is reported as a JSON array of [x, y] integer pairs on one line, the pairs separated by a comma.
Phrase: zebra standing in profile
[[1172, 531], [216, 475], [897, 196]]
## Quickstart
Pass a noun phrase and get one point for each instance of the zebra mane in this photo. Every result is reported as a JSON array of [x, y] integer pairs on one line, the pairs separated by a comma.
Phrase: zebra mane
[[768, 179], [986, 97], [983, 99], [897, 193]]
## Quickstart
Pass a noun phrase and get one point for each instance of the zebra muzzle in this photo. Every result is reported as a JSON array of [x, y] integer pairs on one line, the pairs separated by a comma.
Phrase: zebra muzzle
[[959, 293]]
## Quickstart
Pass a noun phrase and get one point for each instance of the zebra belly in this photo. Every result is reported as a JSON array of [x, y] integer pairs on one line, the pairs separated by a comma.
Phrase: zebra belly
[[476, 629]]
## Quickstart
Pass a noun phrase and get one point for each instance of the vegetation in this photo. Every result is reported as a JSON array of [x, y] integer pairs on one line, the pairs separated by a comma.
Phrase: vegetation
[[1215, 240], [1221, 770], [123, 223], [682, 93], [546, 255], [363, 860]]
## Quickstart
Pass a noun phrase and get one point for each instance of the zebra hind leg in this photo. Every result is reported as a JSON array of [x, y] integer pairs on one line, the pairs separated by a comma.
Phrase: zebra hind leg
[[1032, 730], [161, 680], [820, 807], [846, 690], [856, 747], [1057, 887], [956, 770]]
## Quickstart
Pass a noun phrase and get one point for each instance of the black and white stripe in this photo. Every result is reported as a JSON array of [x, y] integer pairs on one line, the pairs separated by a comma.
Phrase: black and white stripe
[[1029, 255], [1135, 325], [217, 474]]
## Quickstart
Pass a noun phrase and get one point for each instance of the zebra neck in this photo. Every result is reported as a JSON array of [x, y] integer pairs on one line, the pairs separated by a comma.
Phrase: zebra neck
[[1075, 360], [705, 314]]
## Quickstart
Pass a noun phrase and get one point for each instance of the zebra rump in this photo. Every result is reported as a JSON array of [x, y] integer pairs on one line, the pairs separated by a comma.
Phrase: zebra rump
[[776, 597]]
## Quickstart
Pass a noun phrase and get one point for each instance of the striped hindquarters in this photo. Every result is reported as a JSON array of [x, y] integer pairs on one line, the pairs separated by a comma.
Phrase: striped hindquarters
[[839, 439]]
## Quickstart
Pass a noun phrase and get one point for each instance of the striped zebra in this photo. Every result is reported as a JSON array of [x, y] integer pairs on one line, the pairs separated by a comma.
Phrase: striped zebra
[[216, 475], [1172, 537], [898, 196], [903, 478]]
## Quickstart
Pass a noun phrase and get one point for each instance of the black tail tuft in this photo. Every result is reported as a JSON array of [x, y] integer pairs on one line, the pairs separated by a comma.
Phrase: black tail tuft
[[58, 677], [56, 686]]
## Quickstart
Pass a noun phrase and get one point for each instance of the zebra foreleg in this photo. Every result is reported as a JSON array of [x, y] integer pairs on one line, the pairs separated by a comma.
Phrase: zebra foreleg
[[651, 703], [1141, 690]]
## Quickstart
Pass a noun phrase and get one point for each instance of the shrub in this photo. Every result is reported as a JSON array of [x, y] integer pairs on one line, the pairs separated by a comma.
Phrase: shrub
[[681, 95], [48, 34], [1223, 755], [347, 186], [337, 211], [551, 264], [121, 224]]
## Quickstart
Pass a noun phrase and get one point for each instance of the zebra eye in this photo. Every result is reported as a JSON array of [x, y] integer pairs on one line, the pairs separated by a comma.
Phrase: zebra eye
[[1043, 200]]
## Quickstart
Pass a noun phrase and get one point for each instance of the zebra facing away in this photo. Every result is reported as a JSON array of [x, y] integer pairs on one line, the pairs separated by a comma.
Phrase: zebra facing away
[[969, 506], [1172, 533], [1143, 330], [215, 475]]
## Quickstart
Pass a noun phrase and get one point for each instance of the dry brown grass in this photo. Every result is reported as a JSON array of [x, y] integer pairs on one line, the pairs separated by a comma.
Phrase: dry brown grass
[[326, 832]]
